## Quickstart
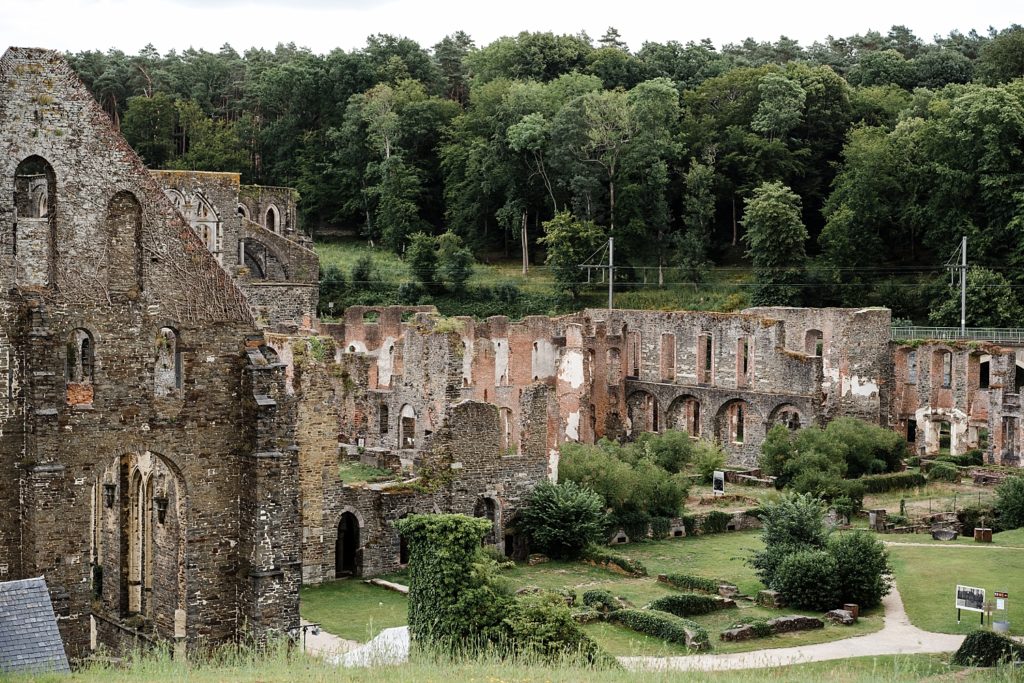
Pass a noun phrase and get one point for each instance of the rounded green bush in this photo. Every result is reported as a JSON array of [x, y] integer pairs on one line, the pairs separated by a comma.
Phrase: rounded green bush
[[984, 648], [1010, 503], [942, 471], [808, 579], [862, 568], [560, 520]]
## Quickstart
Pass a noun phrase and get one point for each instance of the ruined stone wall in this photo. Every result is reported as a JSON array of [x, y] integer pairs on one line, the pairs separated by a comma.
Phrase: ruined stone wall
[[952, 394], [201, 193], [107, 271], [260, 202], [856, 367]]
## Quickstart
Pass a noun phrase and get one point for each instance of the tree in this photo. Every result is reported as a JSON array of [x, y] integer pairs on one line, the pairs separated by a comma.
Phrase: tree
[[1010, 503], [569, 243], [396, 189], [991, 302], [454, 262], [1002, 58], [450, 54], [422, 258], [796, 522], [693, 244], [775, 237], [863, 572], [149, 128], [781, 107], [560, 520]]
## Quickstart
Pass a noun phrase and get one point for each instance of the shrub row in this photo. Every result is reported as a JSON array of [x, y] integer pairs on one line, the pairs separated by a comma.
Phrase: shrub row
[[944, 471], [691, 582], [715, 522], [601, 556], [665, 626], [687, 604], [971, 458], [880, 483]]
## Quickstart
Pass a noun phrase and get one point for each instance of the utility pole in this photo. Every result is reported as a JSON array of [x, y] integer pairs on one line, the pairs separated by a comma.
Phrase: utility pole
[[611, 269], [963, 286]]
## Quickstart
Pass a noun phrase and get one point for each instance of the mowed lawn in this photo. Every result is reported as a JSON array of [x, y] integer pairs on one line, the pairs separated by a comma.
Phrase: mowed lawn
[[927, 579], [354, 610]]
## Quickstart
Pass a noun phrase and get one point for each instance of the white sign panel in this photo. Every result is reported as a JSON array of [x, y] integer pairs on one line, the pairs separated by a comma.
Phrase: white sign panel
[[718, 483], [970, 598]]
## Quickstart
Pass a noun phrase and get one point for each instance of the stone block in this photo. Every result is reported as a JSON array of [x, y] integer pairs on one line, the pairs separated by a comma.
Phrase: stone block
[[794, 622], [769, 598], [840, 616]]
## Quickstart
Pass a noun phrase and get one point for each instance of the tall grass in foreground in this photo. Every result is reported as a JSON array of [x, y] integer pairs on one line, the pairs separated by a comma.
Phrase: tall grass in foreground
[[277, 664]]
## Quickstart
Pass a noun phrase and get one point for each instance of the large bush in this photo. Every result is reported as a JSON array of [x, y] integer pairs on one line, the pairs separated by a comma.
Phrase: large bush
[[708, 457], [863, 573], [984, 648], [542, 625], [1010, 503], [453, 602], [796, 522], [944, 471], [561, 520], [808, 579]]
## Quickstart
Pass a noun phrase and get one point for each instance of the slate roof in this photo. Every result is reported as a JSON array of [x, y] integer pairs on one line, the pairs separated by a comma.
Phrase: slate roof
[[29, 639]]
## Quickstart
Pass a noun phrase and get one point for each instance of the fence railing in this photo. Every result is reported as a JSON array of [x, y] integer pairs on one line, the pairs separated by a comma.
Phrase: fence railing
[[1014, 335]]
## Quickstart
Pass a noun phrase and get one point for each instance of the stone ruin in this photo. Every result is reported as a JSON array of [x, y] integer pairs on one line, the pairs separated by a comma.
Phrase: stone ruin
[[174, 415]]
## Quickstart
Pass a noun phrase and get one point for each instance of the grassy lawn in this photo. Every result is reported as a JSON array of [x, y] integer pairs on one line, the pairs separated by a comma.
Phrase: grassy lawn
[[356, 611], [279, 667], [352, 472], [927, 579], [352, 609], [935, 497]]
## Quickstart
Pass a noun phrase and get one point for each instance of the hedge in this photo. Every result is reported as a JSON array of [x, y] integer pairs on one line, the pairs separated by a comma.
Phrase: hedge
[[880, 483], [984, 648], [600, 556], [691, 582], [971, 458], [665, 626], [943, 471], [600, 599], [715, 522], [687, 604]]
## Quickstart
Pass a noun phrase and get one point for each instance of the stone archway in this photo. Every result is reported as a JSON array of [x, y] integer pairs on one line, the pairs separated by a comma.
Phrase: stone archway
[[346, 547], [788, 415]]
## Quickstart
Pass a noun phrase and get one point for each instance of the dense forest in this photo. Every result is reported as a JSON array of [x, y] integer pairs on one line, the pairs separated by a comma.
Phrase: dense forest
[[843, 173]]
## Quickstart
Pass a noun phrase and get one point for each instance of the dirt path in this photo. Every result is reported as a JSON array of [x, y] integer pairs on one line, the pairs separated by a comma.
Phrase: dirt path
[[325, 644], [897, 637], [980, 546]]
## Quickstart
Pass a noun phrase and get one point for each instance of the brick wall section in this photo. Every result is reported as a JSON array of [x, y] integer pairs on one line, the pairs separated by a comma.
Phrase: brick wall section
[[123, 282]]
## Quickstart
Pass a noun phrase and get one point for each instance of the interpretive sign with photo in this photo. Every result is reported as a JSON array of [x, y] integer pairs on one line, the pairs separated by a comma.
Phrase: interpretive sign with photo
[[970, 598]]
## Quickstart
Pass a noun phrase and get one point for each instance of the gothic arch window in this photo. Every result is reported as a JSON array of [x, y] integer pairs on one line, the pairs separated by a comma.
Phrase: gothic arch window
[[123, 227], [243, 211], [34, 232], [167, 378], [408, 427], [81, 366], [273, 219], [814, 344]]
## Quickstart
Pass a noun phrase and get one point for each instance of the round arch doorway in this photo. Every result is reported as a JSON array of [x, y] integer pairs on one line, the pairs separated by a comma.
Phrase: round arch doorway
[[346, 549]]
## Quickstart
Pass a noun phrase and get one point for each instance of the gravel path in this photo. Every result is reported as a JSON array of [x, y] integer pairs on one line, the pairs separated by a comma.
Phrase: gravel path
[[325, 644], [897, 637]]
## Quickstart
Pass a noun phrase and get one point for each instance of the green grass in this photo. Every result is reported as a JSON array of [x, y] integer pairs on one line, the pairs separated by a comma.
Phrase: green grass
[[927, 578], [934, 497], [353, 472], [278, 666], [353, 610]]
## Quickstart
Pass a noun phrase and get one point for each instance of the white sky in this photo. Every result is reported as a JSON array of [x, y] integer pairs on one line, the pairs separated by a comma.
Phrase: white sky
[[325, 24]]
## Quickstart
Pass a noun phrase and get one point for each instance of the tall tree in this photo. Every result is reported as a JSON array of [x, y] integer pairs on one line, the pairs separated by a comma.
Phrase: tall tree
[[775, 237]]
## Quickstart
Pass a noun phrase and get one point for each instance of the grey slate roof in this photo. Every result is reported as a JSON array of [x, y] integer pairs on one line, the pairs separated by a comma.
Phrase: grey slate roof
[[29, 639]]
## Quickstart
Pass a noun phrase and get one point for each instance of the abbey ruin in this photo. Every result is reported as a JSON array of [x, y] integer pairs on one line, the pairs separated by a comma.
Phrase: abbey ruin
[[174, 413]]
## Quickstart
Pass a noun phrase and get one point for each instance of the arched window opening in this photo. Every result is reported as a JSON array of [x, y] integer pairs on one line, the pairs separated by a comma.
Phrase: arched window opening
[[614, 362], [123, 228], [814, 343], [273, 221], [744, 366], [738, 423], [486, 508], [140, 543], [408, 427], [243, 211], [346, 549], [167, 380], [705, 358], [35, 211], [984, 372], [81, 362], [668, 357]]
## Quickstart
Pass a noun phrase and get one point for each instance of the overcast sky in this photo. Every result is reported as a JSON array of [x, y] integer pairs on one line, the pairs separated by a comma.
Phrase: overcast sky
[[325, 24]]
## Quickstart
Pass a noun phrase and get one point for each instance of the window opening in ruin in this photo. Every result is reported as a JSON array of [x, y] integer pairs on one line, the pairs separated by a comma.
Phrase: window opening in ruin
[[947, 370], [694, 426], [984, 368], [486, 508], [635, 353], [242, 211], [668, 357], [407, 437], [738, 423], [510, 543], [911, 430], [813, 343], [35, 208], [383, 421], [371, 317], [945, 437], [167, 378], [140, 544], [407, 316], [705, 358], [912, 367], [743, 355], [614, 362], [273, 220], [506, 429], [346, 548]]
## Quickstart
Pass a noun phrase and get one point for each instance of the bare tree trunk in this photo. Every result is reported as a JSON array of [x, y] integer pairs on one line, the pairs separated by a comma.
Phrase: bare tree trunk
[[525, 241]]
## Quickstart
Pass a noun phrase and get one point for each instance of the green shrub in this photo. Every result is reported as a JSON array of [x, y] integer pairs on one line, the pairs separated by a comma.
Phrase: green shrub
[[708, 457], [971, 458], [454, 601], [795, 522], [661, 625], [687, 604], [808, 579], [543, 626], [671, 450], [634, 524], [942, 471], [601, 600], [914, 461], [898, 481], [985, 648], [560, 520], [1010, 503], [602, 556], [660, 527], [715, 522], [690, 524], [972, 517], [691, 582], [862, 568]]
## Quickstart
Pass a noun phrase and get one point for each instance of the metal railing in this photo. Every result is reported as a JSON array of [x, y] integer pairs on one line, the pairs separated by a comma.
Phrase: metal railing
[[1014, 335]]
